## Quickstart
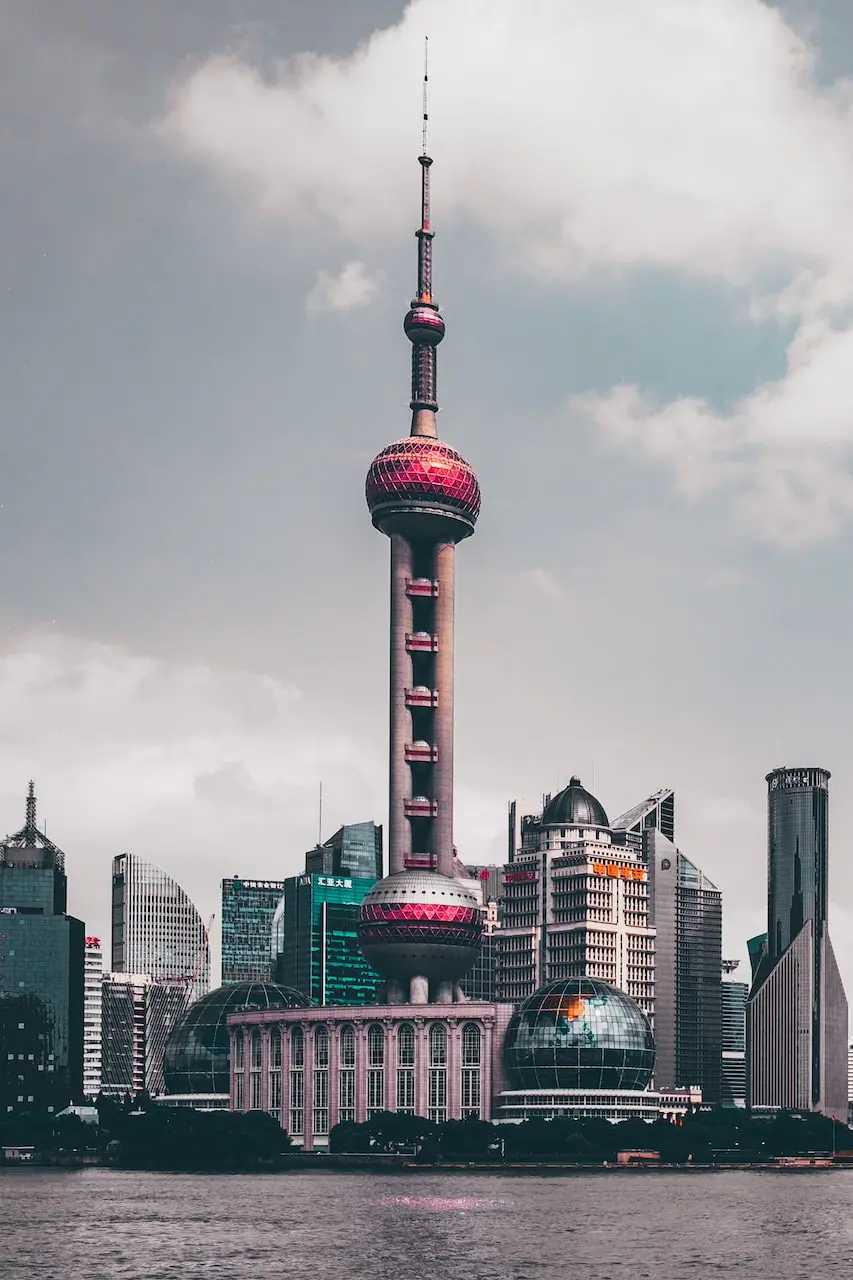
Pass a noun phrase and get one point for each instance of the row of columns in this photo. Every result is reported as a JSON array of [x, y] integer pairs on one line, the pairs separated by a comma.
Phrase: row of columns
[[454, 1036]]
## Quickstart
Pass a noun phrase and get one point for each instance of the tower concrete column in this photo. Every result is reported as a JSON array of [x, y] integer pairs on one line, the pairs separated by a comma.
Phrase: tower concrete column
[[444, 573], [400, 774]]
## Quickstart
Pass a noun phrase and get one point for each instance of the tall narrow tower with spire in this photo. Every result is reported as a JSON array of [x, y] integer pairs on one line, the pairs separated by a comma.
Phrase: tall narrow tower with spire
[[420, 927]]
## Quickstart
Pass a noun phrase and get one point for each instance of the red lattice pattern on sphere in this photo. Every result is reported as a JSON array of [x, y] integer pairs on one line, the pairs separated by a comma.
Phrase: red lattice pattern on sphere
[[413, 911], [420, 468]]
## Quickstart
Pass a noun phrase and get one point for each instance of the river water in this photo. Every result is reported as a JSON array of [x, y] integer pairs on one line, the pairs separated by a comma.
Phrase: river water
[[104, 1224]]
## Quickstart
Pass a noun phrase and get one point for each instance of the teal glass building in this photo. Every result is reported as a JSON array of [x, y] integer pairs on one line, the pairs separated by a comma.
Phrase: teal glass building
[[41, 976], [248, 907], [315, 939]]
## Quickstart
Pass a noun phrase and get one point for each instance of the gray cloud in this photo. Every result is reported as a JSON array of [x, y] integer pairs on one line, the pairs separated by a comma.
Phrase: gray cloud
[[192, 601]]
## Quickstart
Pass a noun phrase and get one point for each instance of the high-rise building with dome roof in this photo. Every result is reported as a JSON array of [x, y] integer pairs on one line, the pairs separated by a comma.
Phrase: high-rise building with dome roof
[[575, 904]]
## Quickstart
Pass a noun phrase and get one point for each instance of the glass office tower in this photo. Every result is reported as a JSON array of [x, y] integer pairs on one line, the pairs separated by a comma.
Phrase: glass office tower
[[315, 940], [248, 907], [733, 1079], [797, 1009], [685, 908], [41, 976], [354, 850]]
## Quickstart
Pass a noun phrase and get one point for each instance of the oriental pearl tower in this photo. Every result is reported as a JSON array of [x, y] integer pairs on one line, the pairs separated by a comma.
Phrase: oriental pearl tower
[[420, 927]]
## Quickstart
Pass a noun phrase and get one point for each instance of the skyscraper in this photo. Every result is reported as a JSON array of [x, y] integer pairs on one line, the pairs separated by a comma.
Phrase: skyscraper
[[248, 907], [685, 909], [657, 813], [354, 850], [41, 976], [733, 1076], [315, 939], [156, 930], [797, 1009], [137, 1015], [420, 927], [93, 977], [575, 904]]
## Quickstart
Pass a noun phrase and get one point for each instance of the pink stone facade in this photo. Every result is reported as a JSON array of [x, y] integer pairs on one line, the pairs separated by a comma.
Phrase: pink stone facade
[[313, 1068]]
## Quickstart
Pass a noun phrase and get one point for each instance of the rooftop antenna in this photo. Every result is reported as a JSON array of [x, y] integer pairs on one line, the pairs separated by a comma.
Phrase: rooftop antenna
[[320, 819], [31, 813], [426, 92]]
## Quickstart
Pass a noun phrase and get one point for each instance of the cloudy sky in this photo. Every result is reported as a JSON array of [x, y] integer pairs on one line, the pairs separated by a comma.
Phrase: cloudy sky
[[644, 259]]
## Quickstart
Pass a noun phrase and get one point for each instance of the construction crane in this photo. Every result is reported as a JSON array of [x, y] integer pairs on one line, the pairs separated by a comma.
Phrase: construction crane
[[202, 951]]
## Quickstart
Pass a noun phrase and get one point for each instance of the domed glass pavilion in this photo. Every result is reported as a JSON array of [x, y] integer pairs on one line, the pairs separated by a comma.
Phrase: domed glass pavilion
[[197, 1049], [579, 1047]]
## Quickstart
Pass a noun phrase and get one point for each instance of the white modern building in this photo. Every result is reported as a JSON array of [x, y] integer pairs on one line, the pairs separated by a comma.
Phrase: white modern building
[[93, 974], [156, 929], [575, 904]]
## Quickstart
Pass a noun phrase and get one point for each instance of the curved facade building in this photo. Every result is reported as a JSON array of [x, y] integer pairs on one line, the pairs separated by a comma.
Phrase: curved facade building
[[156, 929], [797, 1009]]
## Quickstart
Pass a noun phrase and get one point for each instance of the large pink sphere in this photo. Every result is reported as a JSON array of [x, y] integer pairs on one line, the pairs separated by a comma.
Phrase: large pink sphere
[[420, 472]]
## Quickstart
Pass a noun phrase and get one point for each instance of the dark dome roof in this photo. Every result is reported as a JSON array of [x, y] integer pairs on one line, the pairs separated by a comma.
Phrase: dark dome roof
[[574, 806], [579, 1033], [197, 1048]]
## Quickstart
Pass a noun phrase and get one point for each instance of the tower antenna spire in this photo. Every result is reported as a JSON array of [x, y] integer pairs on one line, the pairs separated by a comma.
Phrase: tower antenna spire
[[426, 93], [423, 325]]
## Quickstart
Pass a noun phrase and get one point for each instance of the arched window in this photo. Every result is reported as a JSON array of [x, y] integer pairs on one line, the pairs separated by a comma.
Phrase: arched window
[[346, 1075], [471, 1045], [239, 1072], [472, 1050], [297, 1047], [437, 1109], [375, 1070], [406, 1068], [406, 1045], [321, 1080], [438, 1045], [375, 1046], [255, 1072], [274, 1074], [347, 1053], [297, 1081]]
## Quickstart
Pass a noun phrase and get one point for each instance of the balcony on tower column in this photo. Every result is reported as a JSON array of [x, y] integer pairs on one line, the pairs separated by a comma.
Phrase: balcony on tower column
[[422, 587], [421, 696], [421, 642], [421, 861], [421, 752], [420, 807]]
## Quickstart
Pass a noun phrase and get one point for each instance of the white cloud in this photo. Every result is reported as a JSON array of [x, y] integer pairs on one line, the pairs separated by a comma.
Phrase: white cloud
[[604, 136], [594, 135], [206, 772], [784, 451], [352, 287]]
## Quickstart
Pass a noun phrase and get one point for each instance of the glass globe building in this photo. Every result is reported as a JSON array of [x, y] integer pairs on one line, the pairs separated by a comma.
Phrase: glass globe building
[[197, 1049], [579, 1034]]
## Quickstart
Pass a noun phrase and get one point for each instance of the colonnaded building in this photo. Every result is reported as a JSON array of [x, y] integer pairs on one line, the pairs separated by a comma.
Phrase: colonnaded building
[[574, 1047]]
